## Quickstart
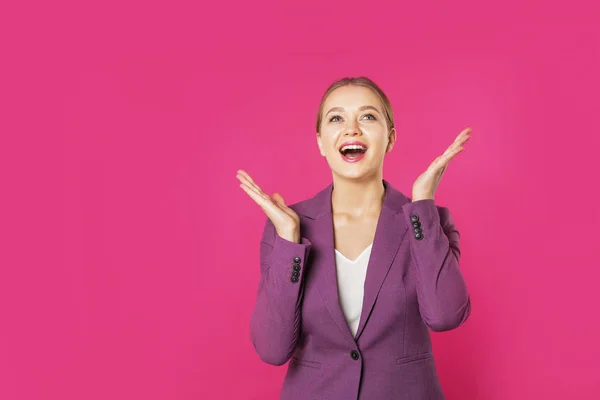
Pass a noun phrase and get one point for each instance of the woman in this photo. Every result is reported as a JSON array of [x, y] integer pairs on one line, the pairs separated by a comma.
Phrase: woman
[[353, 278]]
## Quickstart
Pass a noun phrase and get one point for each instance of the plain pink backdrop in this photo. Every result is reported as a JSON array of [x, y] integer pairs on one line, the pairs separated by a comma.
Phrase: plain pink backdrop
[[129, 255]]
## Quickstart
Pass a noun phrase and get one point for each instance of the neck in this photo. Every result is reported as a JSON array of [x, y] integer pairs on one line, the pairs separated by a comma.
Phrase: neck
[[357, 197]]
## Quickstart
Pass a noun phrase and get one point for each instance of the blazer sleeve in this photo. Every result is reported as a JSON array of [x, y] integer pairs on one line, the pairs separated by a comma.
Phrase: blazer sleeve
[[275, 320], [444, 301]]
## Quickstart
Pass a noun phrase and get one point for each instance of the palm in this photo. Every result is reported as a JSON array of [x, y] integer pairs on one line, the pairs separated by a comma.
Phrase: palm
[[285, 220], [426, 184]]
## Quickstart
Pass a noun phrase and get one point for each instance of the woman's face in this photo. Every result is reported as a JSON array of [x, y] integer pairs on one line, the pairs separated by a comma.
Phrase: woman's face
[[354, 134]]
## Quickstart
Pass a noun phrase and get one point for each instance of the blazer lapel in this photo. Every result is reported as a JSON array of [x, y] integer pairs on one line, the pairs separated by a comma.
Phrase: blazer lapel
[[323, 267], [389, 234]]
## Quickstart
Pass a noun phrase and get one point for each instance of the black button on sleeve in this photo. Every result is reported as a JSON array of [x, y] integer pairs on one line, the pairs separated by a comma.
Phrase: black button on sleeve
[[418, 236], [296, 273], [414, 218], [296, 267], [417, 224], [297, 260], [354, 354], [294, 279]]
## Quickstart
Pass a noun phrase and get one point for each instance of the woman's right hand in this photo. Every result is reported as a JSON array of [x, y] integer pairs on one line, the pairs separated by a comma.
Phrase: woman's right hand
[[284, 219]]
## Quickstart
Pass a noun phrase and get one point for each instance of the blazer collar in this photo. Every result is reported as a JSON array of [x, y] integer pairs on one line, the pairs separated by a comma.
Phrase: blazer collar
[[320, 204]]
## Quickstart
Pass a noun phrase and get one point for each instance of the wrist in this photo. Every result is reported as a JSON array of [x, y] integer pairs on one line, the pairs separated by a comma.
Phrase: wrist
[[421, 198], [291, 236]]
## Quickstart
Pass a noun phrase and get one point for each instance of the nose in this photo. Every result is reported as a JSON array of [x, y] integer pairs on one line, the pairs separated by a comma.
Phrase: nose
[[352, 129]]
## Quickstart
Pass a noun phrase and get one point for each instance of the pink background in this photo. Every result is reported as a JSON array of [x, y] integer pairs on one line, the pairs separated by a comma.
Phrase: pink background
[[129, 255]]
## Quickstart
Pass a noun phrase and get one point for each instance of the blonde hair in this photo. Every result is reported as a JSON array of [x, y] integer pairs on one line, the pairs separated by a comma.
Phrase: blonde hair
[[388, 112]]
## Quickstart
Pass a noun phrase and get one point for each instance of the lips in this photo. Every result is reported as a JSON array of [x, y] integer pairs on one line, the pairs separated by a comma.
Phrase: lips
[[353, 151]]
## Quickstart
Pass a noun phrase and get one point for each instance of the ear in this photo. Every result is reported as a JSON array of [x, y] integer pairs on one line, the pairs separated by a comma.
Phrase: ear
[[392, 140], [320, 144]]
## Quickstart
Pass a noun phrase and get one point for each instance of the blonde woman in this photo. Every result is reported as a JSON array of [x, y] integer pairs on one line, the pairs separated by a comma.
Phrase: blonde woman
[[353, 278]]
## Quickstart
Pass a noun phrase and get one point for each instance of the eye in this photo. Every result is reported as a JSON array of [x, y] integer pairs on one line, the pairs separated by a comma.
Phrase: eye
[[333, 119], [371, 117]]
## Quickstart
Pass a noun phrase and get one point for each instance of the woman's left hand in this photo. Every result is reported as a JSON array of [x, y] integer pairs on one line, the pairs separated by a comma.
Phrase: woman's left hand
[[426, 184]]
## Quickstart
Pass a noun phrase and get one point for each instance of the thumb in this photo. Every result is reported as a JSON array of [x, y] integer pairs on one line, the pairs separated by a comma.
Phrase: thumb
[[279, 199]]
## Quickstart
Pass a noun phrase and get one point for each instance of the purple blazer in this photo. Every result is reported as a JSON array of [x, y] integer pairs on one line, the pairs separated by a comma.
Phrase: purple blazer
[[413, 284]]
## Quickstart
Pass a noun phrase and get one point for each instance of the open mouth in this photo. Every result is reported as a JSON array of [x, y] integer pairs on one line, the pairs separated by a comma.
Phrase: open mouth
[[353, 152]]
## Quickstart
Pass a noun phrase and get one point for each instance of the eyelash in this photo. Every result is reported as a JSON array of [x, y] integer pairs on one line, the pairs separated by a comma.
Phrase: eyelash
[[366, 115]]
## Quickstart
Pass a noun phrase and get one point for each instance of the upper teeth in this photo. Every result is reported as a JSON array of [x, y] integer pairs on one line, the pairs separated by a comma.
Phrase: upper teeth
[[353, 147]]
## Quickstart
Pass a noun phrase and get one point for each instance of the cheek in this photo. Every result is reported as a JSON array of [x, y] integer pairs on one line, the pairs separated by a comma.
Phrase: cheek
[[378, 140], [329, 140]]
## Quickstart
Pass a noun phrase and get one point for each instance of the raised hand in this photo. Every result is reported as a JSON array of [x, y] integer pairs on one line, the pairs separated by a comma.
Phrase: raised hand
[[285, 220], [427, 183]]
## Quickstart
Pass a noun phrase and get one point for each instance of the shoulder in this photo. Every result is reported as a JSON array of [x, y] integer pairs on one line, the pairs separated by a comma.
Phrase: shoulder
[[310, 208], [315, 205], [303, 207]]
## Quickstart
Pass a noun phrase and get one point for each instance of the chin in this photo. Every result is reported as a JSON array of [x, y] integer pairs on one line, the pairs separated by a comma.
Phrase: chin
[[354, 175]]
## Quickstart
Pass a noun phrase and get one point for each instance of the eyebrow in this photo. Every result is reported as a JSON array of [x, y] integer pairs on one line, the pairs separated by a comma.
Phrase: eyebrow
[[362, 108]]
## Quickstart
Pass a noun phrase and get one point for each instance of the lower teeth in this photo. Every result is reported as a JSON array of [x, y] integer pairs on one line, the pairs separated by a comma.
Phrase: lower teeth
[[353, 154]]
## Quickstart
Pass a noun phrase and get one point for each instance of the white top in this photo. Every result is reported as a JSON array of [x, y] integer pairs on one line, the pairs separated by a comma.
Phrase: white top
[[351, 276]]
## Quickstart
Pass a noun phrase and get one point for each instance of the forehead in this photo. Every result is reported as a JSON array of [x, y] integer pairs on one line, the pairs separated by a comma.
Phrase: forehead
[[351, 97]]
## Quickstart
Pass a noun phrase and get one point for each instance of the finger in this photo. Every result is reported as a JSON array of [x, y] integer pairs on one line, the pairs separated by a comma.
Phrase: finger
[[463, 133], [441, 173], [279, 199], [253, 186], [268, 202], [461, 139], [252, 194], [249, 179], [269, 207], [449, 149], [280, 202], [445, 158], [283, 206], [457, 144], [263, 202], [453, 152]]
